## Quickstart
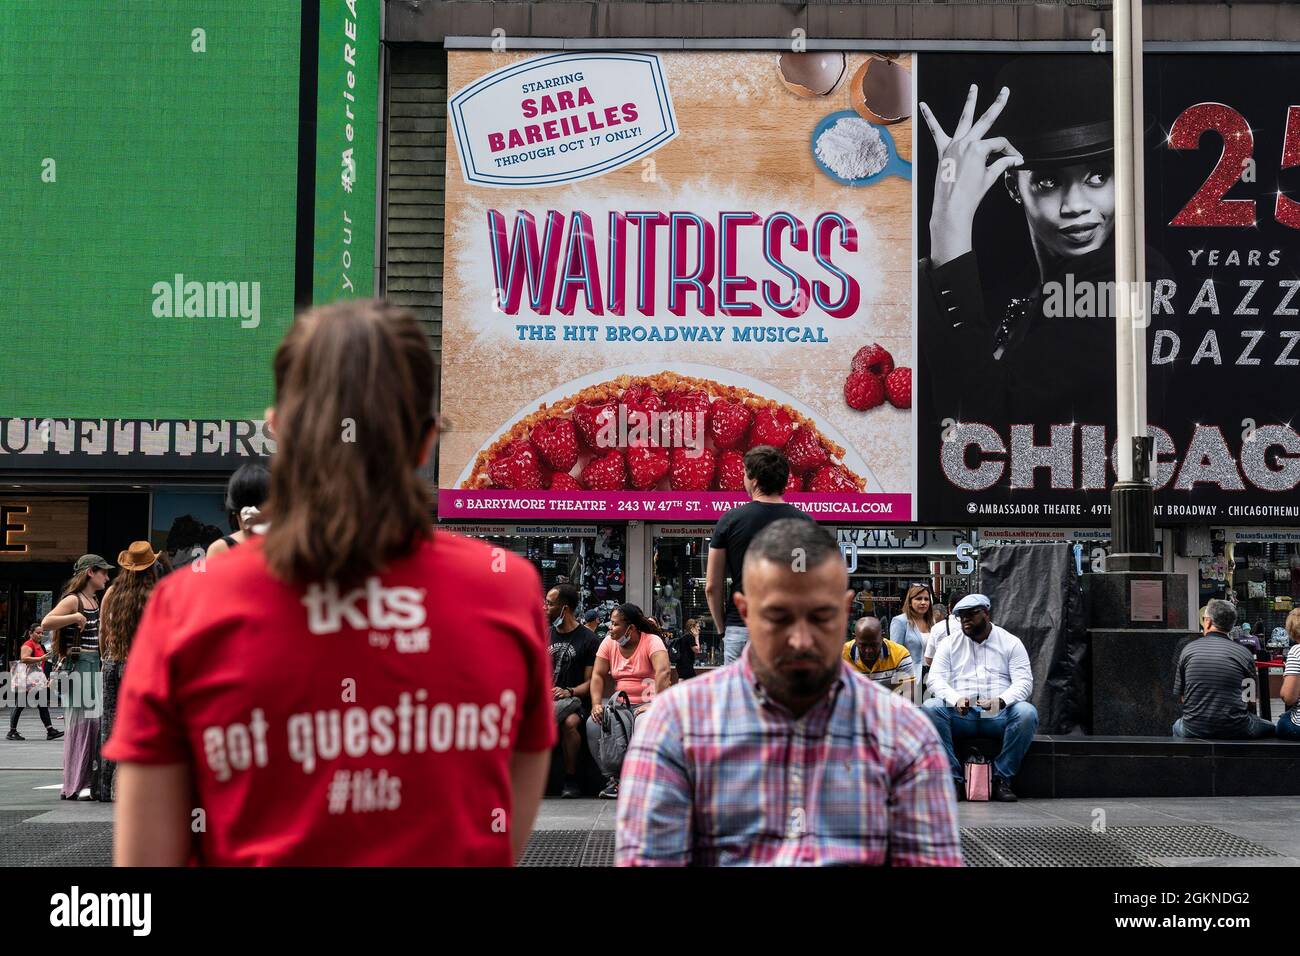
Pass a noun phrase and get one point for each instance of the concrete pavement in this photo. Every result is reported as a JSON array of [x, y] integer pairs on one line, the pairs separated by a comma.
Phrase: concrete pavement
[[36, 826]]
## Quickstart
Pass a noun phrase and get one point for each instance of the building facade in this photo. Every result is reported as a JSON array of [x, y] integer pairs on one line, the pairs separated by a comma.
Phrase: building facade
[[740, 162]]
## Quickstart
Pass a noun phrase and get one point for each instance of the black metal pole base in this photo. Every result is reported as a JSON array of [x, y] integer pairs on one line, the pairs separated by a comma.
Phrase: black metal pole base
[[1133, 528]]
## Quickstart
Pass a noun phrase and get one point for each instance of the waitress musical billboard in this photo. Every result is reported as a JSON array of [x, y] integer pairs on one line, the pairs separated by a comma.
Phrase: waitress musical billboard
[[656, 262]]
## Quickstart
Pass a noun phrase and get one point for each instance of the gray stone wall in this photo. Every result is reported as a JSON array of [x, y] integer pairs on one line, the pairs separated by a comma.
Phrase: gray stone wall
[[431, 21]]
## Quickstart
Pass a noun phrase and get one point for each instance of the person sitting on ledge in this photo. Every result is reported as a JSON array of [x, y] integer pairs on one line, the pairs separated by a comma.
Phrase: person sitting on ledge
[[1214, 678], [884, 661], [982, 683], [1288, 725]]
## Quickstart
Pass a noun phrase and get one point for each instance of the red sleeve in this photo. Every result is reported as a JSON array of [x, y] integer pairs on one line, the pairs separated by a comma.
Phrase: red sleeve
[[537, 731], [147, 728]]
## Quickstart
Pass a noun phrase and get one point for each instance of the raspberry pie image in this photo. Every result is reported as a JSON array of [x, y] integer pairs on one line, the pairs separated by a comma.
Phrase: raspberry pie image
[[665, 431]]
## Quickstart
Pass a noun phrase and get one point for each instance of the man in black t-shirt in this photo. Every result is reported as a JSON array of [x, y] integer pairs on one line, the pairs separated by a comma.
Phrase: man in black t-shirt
[[573, 655], [766, 474]]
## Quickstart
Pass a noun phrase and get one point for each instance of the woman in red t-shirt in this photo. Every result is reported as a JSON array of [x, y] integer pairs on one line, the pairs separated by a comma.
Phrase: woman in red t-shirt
[[32, 653], [349, 688]]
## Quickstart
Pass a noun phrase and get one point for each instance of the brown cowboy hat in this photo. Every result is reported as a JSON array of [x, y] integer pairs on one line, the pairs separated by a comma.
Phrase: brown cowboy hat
[[137, 557]]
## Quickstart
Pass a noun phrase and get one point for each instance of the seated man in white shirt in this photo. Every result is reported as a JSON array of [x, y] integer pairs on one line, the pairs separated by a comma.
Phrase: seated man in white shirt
[[982, 683]]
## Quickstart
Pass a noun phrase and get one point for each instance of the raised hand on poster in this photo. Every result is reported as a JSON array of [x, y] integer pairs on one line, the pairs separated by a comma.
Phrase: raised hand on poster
[[964, 174]]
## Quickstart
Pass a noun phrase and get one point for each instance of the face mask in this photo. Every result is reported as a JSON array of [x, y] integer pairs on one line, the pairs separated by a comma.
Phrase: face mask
[[626, 639], [558, 621]]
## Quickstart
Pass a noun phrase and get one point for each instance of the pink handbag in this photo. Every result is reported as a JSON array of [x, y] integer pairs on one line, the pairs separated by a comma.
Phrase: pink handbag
[[979, 779]]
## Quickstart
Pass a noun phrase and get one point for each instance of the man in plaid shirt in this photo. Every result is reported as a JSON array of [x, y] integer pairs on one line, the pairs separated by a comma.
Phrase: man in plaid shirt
[[787, 757]]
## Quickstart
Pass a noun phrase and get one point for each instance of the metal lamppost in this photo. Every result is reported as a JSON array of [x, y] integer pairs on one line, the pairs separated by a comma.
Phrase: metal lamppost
[[1132, 499]]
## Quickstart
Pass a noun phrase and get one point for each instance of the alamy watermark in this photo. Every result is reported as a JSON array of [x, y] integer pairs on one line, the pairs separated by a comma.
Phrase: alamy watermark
[[635, 428], [189, 299], [81, 690], [1087, 299]]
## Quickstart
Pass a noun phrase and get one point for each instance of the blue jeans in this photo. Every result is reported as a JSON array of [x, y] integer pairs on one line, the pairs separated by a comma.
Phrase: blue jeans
[[1288, 727], [1014, 726], [734, 640], [1259, 727]]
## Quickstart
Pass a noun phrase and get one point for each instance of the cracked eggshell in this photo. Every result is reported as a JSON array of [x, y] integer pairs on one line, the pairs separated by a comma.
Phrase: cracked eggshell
[[881, 91], [812, 74]]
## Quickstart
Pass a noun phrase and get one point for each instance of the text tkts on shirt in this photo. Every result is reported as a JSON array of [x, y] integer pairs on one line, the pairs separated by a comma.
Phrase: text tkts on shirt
[[634, 675], [734, 531], [1211, 678], [571, 655], [372, 726]]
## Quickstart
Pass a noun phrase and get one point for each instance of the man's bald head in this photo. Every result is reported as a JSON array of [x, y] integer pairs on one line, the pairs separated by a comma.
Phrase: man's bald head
[[869, 637], [867, 629]]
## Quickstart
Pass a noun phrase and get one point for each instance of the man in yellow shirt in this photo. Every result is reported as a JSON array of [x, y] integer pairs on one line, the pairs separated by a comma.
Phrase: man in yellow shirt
[[880, 659]]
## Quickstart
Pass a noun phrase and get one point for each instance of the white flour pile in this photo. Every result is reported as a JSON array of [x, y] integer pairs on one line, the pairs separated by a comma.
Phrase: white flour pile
[[852, 149]]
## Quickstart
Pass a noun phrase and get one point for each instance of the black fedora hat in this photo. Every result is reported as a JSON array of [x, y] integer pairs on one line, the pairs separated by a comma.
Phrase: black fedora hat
[[1060, 109]]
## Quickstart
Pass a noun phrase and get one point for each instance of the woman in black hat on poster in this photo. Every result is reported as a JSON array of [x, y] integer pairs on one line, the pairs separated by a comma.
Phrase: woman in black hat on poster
[[998, 349]]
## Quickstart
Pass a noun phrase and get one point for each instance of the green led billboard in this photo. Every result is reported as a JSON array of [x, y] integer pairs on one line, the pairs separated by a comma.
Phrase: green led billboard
[[157, 155], [149, 212]]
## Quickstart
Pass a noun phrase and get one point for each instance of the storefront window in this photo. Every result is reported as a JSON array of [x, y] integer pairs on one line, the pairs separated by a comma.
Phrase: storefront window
[[185, 523], [1259, 572], [884, 562], [590, 557], [882, 565], [681, 557]]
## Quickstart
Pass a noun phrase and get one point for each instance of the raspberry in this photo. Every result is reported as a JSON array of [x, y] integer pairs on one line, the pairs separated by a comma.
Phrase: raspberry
[[643, 407], [605, 474], [563, 481], [805, 452], [898, 387], [862, 390], [729, 424], [593, 417], [693, 405], [557, 440], [874, 359], [641, 398], [692, 474], [793, 483], [731, 471], [647, 466], [772, 426], [830, 478], [519, 466]]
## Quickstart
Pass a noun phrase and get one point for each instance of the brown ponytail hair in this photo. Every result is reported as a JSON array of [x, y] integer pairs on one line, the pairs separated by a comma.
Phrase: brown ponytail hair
[[354, 403], [76, 584]]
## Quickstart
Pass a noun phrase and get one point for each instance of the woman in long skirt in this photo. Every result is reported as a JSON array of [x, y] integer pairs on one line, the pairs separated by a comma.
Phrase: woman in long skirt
[[75, 623], [123, 606]]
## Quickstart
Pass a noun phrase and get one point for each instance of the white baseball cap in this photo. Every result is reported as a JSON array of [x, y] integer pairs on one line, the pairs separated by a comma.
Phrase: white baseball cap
[[970, 602]]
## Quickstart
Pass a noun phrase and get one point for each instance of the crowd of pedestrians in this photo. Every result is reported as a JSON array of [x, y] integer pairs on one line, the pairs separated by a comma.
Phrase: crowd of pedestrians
[[336, 672]]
